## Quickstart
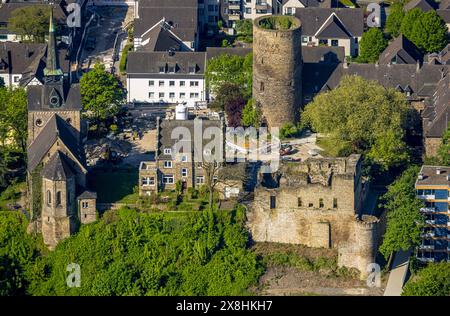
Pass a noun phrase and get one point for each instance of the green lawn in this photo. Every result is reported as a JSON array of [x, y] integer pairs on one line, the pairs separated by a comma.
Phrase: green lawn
[[12, 194], [115, 186], [331, 148]]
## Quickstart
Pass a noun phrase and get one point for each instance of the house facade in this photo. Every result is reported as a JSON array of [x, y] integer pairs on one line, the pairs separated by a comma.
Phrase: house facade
[[433, 188], [166, 77]]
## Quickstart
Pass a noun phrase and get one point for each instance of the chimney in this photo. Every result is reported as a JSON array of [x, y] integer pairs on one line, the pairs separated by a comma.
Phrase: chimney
[[438, 170], [420, 176], [417, 66], [345, 64]]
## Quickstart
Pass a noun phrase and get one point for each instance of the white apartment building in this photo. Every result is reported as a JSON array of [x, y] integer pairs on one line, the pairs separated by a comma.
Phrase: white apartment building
[[166, 77], [253, 9]]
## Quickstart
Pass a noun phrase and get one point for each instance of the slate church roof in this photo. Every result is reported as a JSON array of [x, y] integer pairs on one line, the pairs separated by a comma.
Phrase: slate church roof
[[57, 168]]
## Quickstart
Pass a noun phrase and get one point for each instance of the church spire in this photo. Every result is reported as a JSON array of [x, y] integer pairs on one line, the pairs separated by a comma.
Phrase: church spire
[[52, 67]]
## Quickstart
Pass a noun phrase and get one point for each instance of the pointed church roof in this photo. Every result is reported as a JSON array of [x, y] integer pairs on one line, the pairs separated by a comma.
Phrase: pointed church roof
[[57, 168], [56, 128], [52, 67], [403, 50]]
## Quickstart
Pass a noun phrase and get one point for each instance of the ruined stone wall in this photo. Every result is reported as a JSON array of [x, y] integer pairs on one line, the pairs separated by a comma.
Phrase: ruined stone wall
[[277, 73], [432, 146]]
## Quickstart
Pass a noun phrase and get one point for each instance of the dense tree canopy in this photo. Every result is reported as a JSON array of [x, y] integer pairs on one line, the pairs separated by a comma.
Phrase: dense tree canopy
[[30, 22], [102, 94], [404, 220], [426, 30], [433, 280], [394, 19], [372, 45], [251, 115], [230, 69], [444, 149], [364, 117], [130, 253], [13, 118]]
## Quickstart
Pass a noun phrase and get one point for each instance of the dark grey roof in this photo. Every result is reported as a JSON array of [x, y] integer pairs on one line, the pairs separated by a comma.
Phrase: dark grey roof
[[37, 94], [181, 15], [401, 51], [57, 168], [333, 28], [436, 115], [313, 18], [323, 54], [161, 39], [212, 52], [327, 76], [444, 5], [430, 177], [424, 5], [87, 195], [167, 126], [144, 62], [56, 128], [18, 56], [445, 15]]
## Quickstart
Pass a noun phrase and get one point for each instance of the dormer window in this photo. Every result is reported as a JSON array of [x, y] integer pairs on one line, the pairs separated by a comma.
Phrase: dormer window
[[192, 68], [167, 151], [172, 68], [162, 68]]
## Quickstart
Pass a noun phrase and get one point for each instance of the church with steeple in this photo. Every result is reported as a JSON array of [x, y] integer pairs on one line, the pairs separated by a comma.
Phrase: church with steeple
[[58, 199]]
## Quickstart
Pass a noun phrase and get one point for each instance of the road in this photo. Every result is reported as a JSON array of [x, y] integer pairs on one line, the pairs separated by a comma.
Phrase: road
[[399, 273]]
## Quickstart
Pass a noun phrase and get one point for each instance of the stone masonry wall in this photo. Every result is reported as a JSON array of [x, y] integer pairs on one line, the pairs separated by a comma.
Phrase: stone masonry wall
[[277, 73]]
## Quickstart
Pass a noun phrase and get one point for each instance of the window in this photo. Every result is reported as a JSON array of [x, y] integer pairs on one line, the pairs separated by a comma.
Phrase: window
[[335, 204], [167, 164], [171, 95], [84, 204], [304, 39], [323, 42], [194, 83], [182, 83], [49, 198], [162, 69], [151, 95], [161, 83], [58, 198], [273, 202], [151, 83], [184, 158], [192, 69], [171, 68], [200, 180], [161, 95], [334, 42], [38, 122], [299, 202], [171, 83], [168, 179], [182, 95], [321, 203], [310, 205], [16, 78], [261, 86], [193, 95], [167, 151], [184, 172], [148, 181]]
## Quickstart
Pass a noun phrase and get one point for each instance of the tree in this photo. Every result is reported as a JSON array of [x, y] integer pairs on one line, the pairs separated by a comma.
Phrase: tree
[[234, 109], [230, 69], [225, 93], [251, 115], [361, 115], [13, 118], [444, 149], [30, 22], [394, 19], [244, 27], [426, 30], [372, 45], [404, 220], [432, 280], [102, 94]]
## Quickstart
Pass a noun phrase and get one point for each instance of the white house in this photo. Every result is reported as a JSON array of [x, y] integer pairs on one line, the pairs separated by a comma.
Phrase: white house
[[166, 77]]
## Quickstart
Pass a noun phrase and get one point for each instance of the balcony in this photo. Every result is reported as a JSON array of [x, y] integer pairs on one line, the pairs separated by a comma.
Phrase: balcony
[[430, 221], [428, 209], [425, 259], [426, 247], [262, 6], [234, 16], [425, 235], [233, 6]]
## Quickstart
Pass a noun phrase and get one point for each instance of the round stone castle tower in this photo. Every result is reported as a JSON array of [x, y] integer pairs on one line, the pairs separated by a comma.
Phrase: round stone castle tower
[[277, 68]]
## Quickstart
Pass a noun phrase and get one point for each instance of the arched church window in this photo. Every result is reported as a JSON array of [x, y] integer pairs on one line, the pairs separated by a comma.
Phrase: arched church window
[[49, 197], [58, 198]]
